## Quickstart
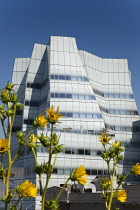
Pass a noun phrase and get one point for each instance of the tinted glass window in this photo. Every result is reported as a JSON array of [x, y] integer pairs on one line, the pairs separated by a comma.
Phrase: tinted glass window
[[75, 96], [56, 76], [52, 77], [74, 78], [62, 95], [68, 77], [80, 78], [87, 97], [56, 95], [82, 115], [69, 115], [81, 96], [52, 95], [62, 77], [68, 95], [89, 115], [76, 115]]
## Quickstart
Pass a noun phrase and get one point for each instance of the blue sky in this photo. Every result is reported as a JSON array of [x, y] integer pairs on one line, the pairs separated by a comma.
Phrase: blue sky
[[106, 28]]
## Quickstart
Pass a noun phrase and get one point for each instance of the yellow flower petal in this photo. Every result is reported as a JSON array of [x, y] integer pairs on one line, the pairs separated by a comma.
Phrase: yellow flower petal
[[27, 189], [3, 145], [122, 195]]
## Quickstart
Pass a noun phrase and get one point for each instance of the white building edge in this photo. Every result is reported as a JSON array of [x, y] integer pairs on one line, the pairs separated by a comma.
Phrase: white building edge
[[92, 92]]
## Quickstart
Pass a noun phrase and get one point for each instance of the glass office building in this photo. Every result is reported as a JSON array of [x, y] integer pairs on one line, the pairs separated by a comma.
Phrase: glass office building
[[93, 93]]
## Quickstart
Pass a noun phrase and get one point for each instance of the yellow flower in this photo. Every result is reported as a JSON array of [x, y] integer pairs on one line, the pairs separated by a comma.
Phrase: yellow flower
[[136, 169], [40, 121], [121, 195], [33, 138], [79, 175], [117, 144], [3, 145], [104, 138], [27, 189], [106, 183], [53, 116]]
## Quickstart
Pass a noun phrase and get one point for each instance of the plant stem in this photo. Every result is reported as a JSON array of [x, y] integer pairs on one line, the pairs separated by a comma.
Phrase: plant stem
[[48, 170], [59, 194], [40, 175], [112, 182]]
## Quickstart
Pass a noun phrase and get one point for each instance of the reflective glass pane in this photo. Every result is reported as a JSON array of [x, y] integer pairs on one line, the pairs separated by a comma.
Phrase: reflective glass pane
[[87, 97], [68, 95], [82, 115], [80, 78], [74, 78], [61, 77], [75, 96], [56, 76], [76, 115], [56, 95], [106, 95], [52, 76], [89, 115], [68, 77], [62, 95], [52, 95], [69, 114], [81, 96]]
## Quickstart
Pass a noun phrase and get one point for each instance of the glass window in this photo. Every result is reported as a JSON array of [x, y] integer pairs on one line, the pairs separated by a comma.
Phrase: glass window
[[117, 128], [80, 78], [68, 95], [122, 111], [128, 112], [63, 113], [56, 95], [116, 95], [127, 96], [74, 78], [89, 115], [55, 171], [82, 115], [87, 97], [95, 115], [81, 96], [60, 171], [81, 152], [52, 76], [67, 171], [93, 152], [88, 171], [106, 95], [117, 111], [128, 129], [61, 77], [85, 79], [87, 152], [122, 95], [69, 114], [68, 77], [52, 95], [92, 97], [100, 172], [75, 96], [111, 111], [111, 95], [56, 76], [94, 172], [76, 115], [123, 128], [62, 95]]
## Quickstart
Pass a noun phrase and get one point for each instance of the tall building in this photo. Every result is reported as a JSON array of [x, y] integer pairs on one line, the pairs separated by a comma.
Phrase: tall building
[[92, 92]]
